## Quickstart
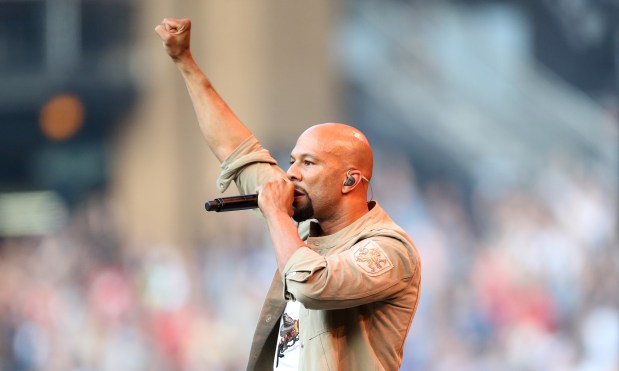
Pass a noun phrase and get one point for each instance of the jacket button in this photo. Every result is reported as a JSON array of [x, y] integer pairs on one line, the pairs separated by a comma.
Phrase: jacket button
[[268, 319]]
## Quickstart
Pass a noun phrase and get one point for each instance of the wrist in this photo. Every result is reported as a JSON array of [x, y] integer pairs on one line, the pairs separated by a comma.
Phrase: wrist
[[274, 215], [183, 59]]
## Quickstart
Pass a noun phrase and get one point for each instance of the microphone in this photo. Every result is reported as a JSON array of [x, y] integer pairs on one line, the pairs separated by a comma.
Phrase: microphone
[[232, 203]]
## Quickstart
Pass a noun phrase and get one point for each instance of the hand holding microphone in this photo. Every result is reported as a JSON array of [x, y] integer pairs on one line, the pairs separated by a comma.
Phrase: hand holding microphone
[[276, 195]]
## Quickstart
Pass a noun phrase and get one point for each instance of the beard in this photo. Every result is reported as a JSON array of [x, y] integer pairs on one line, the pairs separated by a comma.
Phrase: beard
[[301, 214]]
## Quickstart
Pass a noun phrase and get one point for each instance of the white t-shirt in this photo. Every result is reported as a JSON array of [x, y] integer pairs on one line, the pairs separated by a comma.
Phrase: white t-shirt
[[288, 344]]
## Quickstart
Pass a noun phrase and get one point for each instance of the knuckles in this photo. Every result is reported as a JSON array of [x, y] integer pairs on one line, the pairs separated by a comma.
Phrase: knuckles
[[278, 186]]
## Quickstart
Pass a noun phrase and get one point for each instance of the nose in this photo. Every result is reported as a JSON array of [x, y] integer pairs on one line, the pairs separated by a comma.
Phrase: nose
[[293, 172]]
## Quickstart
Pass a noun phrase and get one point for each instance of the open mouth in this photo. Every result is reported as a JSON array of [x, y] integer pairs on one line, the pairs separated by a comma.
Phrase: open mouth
[[298, 194]]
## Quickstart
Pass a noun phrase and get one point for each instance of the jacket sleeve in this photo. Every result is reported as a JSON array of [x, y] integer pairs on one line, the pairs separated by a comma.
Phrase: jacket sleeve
[[249, 165], [373, 269]]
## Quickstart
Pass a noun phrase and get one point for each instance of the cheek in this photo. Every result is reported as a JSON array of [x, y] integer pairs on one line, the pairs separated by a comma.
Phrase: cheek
[[326, 189], [322, 183]]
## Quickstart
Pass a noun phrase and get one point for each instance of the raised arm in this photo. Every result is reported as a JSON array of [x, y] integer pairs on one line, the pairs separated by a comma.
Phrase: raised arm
[[220, 127]]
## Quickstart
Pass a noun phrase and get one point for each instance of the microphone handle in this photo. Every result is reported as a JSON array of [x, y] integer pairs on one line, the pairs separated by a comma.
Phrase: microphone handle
[[232, 203]]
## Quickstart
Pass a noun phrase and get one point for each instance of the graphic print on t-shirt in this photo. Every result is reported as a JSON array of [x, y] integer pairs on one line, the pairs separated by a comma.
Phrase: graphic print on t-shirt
[[287, 344]]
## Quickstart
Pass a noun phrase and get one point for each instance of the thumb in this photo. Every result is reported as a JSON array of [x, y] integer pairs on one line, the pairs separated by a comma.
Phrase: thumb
[[161, 31]]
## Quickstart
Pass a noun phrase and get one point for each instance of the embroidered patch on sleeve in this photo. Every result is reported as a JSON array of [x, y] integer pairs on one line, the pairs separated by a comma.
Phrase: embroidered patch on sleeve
[[370, 257]]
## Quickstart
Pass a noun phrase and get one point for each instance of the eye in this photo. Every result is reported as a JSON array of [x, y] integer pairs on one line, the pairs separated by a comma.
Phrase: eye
[[307, 163]]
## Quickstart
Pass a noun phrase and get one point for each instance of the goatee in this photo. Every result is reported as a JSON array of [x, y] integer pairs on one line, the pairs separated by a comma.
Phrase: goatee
[[302, 214]]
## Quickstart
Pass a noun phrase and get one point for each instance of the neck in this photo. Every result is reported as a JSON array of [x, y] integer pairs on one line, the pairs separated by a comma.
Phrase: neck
[[342, 220]]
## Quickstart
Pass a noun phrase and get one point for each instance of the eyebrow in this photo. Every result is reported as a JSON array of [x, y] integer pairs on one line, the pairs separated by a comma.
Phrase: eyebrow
[[305, 156]]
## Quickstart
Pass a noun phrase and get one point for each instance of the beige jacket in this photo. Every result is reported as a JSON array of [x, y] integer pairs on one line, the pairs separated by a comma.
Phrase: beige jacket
[[359, 287]]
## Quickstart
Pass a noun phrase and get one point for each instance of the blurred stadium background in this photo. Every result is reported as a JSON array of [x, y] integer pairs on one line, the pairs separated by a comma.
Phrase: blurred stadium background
[[495, 127]]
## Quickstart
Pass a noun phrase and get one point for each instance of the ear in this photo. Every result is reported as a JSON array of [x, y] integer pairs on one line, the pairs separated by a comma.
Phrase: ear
[[352, 179]]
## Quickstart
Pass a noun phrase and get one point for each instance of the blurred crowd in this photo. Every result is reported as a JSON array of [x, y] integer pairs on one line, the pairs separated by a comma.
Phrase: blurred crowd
[[516, 276]]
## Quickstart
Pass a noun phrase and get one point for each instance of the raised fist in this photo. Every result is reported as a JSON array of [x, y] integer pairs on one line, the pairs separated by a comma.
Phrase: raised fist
[[175, 34]]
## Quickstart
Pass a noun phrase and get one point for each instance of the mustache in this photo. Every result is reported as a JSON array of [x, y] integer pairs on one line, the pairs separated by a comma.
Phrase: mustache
[[299, 189]]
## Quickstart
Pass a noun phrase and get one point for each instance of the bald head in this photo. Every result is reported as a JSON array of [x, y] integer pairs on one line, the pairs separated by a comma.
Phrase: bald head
[[325, 157], [344, 143]]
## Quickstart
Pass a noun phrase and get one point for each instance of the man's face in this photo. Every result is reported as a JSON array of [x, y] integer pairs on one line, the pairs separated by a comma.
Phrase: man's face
[[316, 173]]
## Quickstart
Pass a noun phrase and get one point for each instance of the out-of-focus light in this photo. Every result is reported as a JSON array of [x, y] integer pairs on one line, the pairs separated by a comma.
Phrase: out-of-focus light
[[61, 117], [31, 213]]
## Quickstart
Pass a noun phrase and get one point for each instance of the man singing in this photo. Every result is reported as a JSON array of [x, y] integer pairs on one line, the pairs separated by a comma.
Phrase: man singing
[[348, 278]]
